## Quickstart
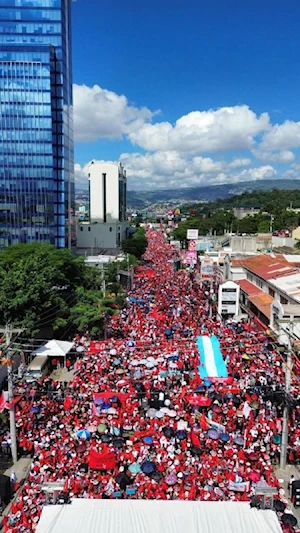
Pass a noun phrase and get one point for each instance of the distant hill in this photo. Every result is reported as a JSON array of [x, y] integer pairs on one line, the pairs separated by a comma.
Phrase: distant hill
[[210, 193]]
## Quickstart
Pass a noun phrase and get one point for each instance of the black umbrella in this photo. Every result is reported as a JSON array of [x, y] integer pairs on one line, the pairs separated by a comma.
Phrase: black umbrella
[[288, 518], [196, 451], [106, 437], [139, 387], [123, 480], [168, 432], [157, 476], [279, 506], [118, 443]]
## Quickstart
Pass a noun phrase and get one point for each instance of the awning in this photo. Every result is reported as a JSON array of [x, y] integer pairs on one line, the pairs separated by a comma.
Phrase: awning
[[54, 349], [262, 302], [249, 288]]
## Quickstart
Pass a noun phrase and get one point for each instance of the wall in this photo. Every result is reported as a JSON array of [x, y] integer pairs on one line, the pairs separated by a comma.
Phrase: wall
[[96, 191], [283, 241], [99, 236]]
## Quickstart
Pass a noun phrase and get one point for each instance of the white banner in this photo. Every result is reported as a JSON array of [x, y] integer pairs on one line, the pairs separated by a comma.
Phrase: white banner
[[244, 486], [192, 234]]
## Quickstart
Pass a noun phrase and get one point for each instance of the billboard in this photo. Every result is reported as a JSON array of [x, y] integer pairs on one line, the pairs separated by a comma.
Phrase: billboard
[[190, 257], [192, 234], [207, 268], [192, 245], [202, 246], [229, 294]]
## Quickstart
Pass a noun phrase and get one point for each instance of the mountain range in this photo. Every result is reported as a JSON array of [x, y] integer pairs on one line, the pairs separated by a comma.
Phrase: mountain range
[[209, 193]]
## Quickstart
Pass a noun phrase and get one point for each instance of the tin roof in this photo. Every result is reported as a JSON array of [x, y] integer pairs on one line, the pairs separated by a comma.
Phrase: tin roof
[[266, 266], [263, 303], [248, 287]]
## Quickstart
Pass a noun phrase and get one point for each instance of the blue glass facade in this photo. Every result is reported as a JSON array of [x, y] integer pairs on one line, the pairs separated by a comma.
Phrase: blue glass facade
[[37, 193]]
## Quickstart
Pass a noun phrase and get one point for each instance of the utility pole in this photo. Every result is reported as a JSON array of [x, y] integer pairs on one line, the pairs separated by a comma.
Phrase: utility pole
[[8, 331], [285, 424], [103, 282]]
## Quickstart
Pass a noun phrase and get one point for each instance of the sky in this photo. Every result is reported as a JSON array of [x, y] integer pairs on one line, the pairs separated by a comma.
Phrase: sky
[[187, 92]]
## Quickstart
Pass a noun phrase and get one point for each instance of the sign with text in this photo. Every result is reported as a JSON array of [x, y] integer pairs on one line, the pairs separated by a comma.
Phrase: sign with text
[[229, 294], [207, 268], [190, 258], [192, 234]]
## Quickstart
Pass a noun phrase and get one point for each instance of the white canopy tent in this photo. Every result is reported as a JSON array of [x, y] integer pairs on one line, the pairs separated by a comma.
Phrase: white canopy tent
[[54, 349], [156, 516]]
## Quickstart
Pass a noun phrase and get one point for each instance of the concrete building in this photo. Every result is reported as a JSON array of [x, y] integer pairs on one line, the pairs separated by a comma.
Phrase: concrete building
[[242, 212], [107, 226]]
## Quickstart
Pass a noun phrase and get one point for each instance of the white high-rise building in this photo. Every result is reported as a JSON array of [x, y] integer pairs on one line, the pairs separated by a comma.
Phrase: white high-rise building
[[108, 186], [107, 226]]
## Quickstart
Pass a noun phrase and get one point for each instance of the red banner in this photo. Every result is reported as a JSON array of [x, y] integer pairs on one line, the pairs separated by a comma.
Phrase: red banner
[[97, 346], [102, 461], [200, 401]]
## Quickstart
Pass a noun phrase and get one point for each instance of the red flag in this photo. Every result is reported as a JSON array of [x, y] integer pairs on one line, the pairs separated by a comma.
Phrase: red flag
[[195, 439], [192, 493], [102, 461], [2, 402], [203, 422]]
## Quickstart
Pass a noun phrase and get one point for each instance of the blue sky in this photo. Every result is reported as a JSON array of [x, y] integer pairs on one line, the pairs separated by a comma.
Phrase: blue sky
[[188, 92]]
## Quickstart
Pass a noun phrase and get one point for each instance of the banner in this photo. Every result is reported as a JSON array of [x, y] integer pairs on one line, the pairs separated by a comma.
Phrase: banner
[[192, 245], [102, 461], [211, 358], [190, 258], [239, 487], [96, 346], [207, 268], [215, 425]]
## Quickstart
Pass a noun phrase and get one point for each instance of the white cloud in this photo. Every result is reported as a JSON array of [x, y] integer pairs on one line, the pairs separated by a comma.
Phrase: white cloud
[[284, 156], [282, 136], [240, 162], [99, 113], [293, 173], [227, 128], [162, 170]]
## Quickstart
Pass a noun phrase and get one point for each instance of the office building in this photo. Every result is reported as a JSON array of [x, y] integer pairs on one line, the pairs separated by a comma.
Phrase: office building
[[37, 195], [107, 225]]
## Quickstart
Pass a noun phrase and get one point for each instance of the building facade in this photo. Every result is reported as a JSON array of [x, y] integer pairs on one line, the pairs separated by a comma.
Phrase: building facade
[[107, 225], [37, 192]]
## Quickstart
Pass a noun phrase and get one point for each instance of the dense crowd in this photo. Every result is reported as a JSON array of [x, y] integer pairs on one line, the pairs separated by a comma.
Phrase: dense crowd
[[137, 421]]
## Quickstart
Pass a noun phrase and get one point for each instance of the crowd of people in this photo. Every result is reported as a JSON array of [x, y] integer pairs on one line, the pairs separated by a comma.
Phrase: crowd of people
[[137, 421]]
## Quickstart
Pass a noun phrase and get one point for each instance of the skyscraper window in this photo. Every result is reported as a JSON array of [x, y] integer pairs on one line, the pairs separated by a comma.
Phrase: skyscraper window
[[36, 123]]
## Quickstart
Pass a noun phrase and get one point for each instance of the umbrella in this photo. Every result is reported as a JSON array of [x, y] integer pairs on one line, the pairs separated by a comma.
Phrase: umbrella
[[122, 383], [151, 412], [224, 437], [207, 383], [200, 388], [195, 450], [120, 371], [246, 357], [279, 506], [113, 351], [148, 440], [83, 434], [289, 518], [156, 476], [92, 428], [80, 349], [135, 362], [172, 413], [171, 479], [81, 448], [148, 467], [213, 434], [165, 410], [35, 409], [105, 406], [130, 343], [159, 414], [118, 443], [149, 365], [168, 432], [106, 437], [102, 428], [123, 480], [239, 441], [116, 362], [134, 468], [254, 405], [181, 434], [111, 411], [276, 439]]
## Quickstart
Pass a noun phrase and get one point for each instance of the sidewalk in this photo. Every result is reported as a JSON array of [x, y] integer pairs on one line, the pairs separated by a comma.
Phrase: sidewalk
[[21, 469], [285, 475]]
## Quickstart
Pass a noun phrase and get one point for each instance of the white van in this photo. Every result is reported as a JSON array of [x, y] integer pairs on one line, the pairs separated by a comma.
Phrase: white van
[[37, 369]]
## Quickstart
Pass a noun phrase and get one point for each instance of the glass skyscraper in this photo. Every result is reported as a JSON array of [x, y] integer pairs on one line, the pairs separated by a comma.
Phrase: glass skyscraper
[[36, 123]]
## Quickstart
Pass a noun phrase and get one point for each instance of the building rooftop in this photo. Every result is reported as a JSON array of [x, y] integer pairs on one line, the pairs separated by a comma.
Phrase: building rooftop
[[248, 287], [289, 285], [267, 266], [263, 303]]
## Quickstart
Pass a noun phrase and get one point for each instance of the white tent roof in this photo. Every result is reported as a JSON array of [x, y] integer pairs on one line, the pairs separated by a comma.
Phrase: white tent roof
[[54, 348], [156, 516]]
